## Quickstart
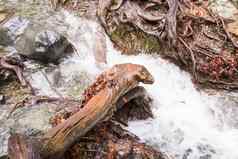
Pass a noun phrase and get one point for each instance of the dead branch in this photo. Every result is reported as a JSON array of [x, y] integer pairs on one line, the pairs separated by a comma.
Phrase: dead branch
[[99, 107], [229, 36], [171, 22], [16, 69], [191, 54]]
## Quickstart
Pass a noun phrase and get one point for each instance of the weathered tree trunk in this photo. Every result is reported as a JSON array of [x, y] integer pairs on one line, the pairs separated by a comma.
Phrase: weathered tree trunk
[[116, 82], [121, 79]]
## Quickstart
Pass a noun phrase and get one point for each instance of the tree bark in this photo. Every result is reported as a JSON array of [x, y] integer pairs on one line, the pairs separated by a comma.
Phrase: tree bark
[[120, 79]]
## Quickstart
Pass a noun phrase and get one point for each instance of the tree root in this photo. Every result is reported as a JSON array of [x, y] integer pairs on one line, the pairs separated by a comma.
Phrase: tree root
[[191, 55], [180, 27], [164, 26]]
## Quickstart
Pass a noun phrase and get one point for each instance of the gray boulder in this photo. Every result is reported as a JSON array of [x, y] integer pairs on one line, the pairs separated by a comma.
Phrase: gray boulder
[[43, 45]]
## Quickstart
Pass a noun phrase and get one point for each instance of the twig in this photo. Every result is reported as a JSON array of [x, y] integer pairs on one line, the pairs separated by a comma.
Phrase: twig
[[87, 150], [191, 54], [189, 28], [199, 51], [208, 35], [207, 49], [15, 68], [225, 85], [235, 44], [29, 101]]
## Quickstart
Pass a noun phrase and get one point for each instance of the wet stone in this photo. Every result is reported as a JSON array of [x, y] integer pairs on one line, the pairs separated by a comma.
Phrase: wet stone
[[32, 120], [16, 26], [43, 45], [224, 8]]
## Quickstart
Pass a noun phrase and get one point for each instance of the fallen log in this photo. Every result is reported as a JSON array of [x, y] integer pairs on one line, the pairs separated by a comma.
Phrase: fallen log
[[102, 136], [120, 79], [98, 107]]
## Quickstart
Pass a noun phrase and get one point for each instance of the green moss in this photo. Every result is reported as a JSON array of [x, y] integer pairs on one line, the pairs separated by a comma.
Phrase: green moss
[[133, 41]]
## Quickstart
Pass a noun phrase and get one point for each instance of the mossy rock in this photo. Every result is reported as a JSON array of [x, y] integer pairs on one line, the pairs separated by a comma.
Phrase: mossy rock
[[132, 41]]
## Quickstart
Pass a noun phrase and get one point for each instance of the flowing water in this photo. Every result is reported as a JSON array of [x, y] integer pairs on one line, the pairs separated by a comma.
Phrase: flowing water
[[187, 123]]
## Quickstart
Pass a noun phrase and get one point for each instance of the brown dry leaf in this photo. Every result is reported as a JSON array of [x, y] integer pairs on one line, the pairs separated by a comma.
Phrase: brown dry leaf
[[233, 28]]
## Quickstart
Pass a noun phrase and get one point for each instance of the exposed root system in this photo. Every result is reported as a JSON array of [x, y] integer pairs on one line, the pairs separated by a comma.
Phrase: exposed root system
[[188, 32]]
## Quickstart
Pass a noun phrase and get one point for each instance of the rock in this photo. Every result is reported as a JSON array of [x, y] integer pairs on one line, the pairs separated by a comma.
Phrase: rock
[[100, 47], [67, 79], [224, 8], [16, 26], [5, 37], [42, 45], [233, 28], [235, 2]]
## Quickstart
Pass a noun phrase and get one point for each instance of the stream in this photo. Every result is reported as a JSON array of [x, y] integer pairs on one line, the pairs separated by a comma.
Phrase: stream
[[188, 123]]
